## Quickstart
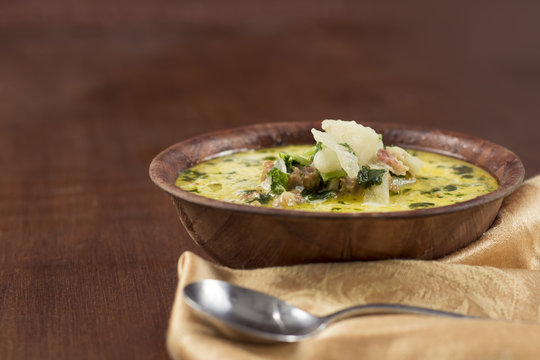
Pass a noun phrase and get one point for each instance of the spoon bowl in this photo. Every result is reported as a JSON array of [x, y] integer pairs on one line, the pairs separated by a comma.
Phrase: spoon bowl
[[249, 315]]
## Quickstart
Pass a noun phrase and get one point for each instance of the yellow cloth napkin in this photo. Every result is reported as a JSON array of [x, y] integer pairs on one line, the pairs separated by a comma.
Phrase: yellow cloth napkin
[[498, 277]]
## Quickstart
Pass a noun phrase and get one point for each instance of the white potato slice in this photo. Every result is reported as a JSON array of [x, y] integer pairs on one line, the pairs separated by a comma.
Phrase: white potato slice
[[413, 163], [379, 194], [347, 160], [363, 140], [326, 161]]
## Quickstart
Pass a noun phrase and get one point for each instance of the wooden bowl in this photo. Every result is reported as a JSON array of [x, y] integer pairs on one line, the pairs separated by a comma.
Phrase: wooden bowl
[[245, 236]]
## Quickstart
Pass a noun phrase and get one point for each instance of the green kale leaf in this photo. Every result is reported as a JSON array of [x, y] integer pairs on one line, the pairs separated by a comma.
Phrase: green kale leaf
[[310, 153], [262, 199], [256, 195], [293, 159], [333, 175], [368, 177], [279, 181], [420, 205], [314, 196], [463, 169]]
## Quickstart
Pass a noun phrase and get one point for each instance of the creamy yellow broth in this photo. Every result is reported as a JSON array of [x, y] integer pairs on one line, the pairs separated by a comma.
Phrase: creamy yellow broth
[[442, 181]]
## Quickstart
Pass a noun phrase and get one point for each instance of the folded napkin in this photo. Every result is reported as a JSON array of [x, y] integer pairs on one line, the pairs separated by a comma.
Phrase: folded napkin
[[497, 277]]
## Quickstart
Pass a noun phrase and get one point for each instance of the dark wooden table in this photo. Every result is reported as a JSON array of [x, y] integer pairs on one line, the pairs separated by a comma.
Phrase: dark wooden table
[[91, 91]]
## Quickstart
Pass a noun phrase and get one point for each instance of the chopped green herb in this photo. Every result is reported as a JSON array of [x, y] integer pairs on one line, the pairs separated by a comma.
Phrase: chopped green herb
[[261, 198], [450, 188], [467, 176], [279, 181], [264, 198], [335, 209], [192, 175], [314, 196], [368, 177], [419, 205], [463, 169], [195, 191], [432, 191], [268, 158]]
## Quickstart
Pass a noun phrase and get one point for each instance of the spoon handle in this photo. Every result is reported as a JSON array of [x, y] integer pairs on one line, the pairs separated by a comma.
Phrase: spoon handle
[[373, 309]]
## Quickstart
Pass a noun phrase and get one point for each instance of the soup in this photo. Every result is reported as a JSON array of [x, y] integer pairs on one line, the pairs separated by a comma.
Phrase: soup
[[441, 181]]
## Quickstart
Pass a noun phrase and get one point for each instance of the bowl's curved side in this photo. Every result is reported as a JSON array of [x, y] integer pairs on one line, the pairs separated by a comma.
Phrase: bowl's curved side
[[241, 240]]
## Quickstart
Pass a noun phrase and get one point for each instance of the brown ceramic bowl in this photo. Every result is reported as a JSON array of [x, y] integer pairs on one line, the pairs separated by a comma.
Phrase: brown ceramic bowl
[[245, 236]]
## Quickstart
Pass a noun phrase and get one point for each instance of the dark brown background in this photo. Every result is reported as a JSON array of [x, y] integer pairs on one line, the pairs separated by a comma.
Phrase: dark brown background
[[91, 91]]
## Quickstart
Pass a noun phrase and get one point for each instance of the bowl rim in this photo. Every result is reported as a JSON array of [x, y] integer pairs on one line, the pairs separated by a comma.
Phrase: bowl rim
[[504, 189]]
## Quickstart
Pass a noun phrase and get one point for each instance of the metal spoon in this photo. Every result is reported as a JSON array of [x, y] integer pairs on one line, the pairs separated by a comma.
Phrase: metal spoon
[[250, 315]]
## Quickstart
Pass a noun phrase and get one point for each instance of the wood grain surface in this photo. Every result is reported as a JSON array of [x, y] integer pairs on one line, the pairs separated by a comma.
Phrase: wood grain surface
[[91, 91]]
